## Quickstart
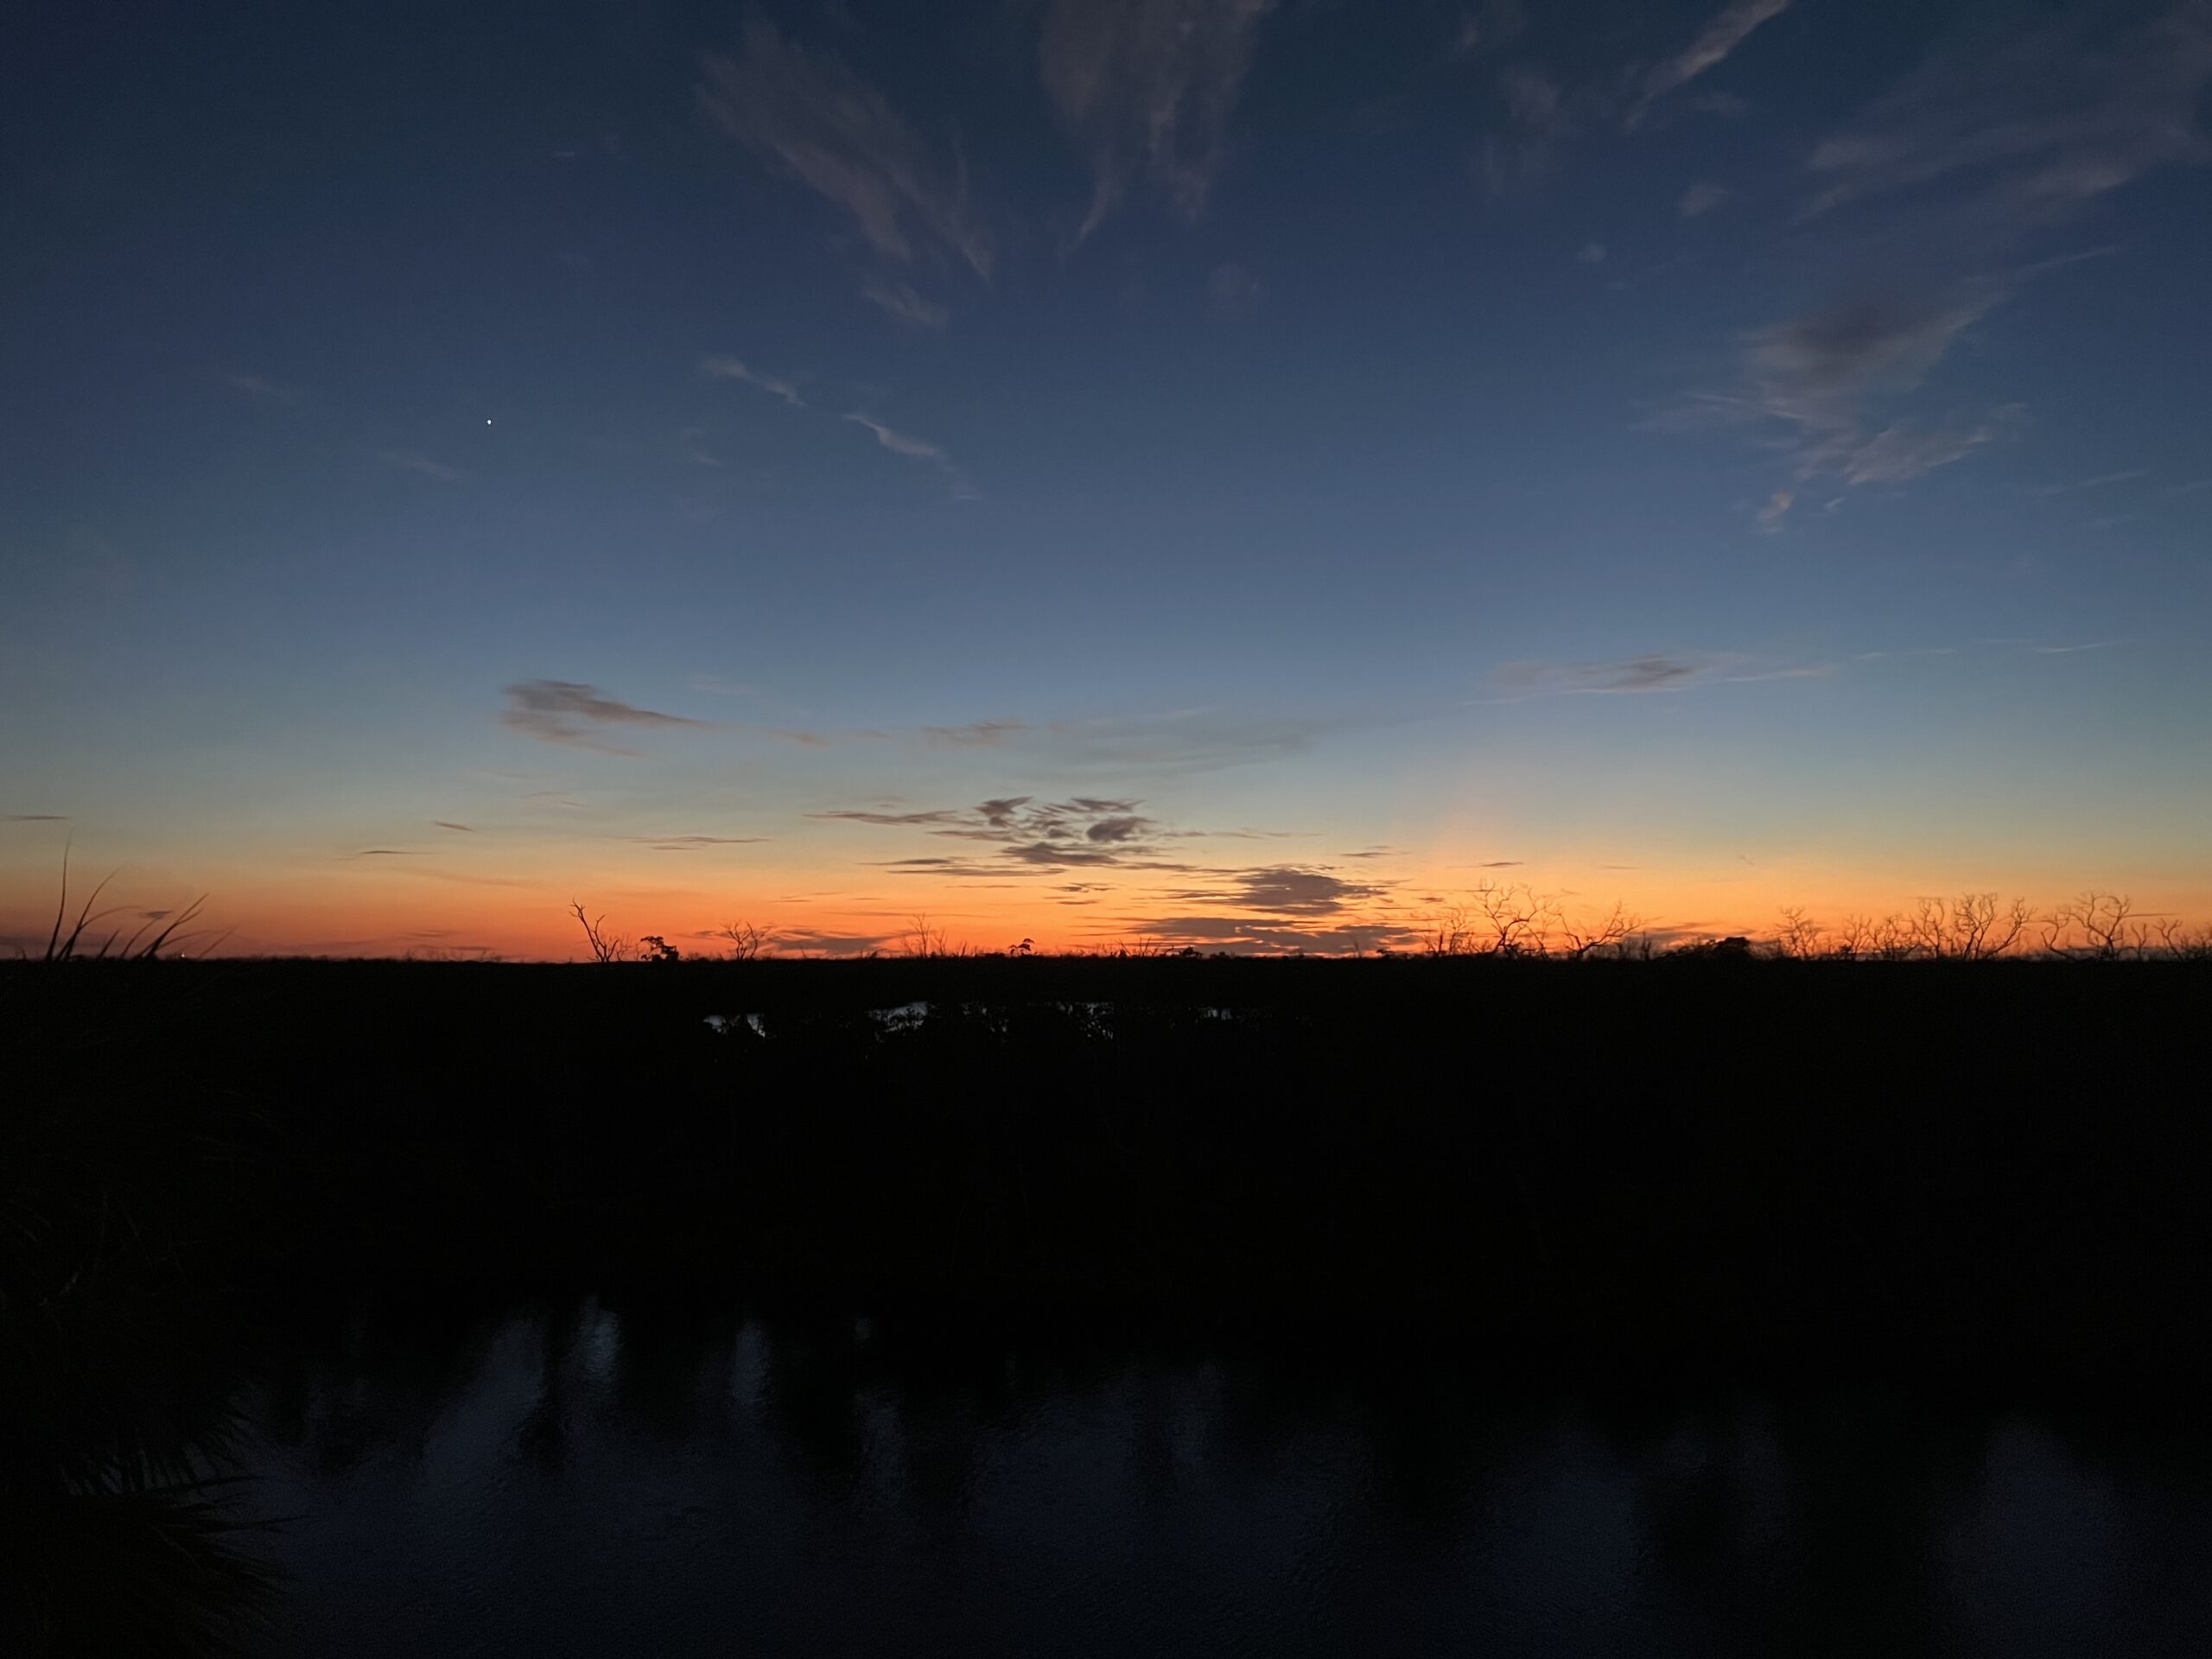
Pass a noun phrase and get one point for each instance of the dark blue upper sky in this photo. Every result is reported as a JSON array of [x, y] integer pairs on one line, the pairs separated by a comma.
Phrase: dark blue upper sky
[[1759, 430]]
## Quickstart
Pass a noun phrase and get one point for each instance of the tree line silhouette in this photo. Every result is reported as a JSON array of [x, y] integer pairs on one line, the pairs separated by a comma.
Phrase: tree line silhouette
[[1515, 921]]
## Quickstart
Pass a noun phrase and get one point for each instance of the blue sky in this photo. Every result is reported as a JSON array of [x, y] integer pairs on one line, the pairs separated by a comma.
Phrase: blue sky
[[1688, 450]]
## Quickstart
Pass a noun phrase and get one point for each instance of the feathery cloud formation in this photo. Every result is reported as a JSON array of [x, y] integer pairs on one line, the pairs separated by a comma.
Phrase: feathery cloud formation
[[902, 302], [730, 368], [1146, 88], [567, 711], [818, 121], [2024, 133], [1727, 30]]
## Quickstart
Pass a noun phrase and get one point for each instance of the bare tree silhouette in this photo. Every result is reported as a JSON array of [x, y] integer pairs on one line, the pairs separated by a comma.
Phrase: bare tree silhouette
[[1515, 917], [1450, 934], [605, 946], [1972, 927], [1607, 933], [2093, 924], [1799, 936]]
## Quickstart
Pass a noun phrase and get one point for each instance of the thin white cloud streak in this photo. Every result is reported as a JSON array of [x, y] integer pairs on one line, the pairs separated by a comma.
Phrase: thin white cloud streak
[[254, 386], [1146, 88], [2029, 131], [902, 302], [890, 437], [1819, 378], [1727, 30], [729, 368], [1901, 451], [899, 443], [1653, 673], [818, 121]]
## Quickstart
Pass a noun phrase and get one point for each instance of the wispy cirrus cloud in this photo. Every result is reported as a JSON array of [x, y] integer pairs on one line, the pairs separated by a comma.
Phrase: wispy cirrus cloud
[[917, 448], [887, 436], [902, 302], [816, 120], [1828, 388], [1542, 114], [731, 368], [1146, 88], [1904, 450], [1818, 372], [570, 712], [1651, 671], [2014, 123], [1724, 31], [898, 442], [2005, 134], [692, 843]]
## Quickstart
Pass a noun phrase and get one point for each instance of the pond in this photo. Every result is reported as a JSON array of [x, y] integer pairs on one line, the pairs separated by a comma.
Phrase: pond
[[579, 1481]]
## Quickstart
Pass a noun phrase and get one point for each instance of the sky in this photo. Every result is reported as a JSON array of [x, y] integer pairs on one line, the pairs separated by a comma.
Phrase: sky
[[1232, 473]]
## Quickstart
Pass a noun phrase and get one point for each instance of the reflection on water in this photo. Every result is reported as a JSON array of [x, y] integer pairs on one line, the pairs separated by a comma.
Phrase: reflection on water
[[578, 1481]]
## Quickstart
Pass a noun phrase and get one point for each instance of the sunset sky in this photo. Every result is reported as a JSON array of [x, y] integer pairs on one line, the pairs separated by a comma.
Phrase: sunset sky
[[1229, 472]]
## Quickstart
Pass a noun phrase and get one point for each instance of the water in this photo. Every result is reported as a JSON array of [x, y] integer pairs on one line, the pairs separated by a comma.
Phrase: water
[[580, 1482]]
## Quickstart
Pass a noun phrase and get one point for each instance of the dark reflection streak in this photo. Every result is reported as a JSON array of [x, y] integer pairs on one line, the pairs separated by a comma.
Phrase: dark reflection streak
[[887, 1484]]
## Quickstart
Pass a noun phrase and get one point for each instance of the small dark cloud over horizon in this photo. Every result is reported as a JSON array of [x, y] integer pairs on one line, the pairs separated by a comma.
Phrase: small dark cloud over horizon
[[570, 712]]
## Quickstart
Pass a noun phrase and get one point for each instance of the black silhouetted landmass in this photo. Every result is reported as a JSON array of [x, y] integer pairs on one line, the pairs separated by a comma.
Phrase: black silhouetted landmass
[[1985, 1176]]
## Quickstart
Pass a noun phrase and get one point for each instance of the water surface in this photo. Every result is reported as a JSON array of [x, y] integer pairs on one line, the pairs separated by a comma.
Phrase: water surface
[[577, 1481]]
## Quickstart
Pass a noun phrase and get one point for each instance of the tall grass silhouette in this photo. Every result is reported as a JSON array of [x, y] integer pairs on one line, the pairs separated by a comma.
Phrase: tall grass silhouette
[[118, 1146]]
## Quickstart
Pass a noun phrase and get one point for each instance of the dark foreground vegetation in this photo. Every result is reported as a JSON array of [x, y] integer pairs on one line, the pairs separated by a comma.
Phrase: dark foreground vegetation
[[1954, 1175]]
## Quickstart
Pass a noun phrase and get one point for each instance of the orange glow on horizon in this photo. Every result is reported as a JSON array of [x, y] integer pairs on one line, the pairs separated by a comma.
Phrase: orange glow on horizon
[[392, 911]]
